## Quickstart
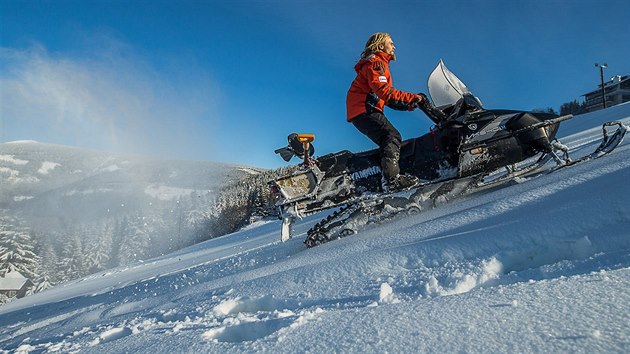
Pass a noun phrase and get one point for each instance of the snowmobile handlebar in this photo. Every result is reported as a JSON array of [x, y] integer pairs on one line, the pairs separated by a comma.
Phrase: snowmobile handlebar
[[306, 140], [300, 145]]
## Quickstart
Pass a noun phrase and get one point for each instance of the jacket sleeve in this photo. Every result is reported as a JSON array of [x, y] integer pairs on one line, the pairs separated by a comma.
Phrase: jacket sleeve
[[380, 83]]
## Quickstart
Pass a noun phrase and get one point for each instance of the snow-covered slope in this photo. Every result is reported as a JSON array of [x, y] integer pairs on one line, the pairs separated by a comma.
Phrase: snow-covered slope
[[540, 266]]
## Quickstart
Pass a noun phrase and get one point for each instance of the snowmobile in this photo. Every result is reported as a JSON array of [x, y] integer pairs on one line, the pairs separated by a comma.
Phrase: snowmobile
[[468, 149]]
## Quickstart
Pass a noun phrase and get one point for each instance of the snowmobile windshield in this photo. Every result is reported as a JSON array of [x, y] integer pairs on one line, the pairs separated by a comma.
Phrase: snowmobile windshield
[[445, 88]]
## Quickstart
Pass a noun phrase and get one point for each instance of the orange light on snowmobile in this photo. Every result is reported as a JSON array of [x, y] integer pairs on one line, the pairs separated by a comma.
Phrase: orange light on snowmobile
[[306, 138]]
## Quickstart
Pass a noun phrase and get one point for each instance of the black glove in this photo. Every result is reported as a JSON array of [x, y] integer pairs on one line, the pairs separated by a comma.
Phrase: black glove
[[434, 113]]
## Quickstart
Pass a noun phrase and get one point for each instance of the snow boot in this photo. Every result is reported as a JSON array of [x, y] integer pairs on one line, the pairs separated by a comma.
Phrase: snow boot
[[401, 182]]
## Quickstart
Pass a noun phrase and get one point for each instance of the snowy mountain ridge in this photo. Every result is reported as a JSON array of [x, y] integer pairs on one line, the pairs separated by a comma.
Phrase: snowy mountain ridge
[[30, 169], [542, 265]]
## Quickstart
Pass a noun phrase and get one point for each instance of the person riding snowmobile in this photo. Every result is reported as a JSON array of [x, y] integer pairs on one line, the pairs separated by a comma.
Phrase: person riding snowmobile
[[370, 91]]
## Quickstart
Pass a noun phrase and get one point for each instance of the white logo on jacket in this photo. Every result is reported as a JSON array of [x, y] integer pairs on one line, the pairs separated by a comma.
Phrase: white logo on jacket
[[382, 79]]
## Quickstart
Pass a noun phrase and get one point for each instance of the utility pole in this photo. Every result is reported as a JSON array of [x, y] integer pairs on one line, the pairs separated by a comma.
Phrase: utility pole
[[601, 76]]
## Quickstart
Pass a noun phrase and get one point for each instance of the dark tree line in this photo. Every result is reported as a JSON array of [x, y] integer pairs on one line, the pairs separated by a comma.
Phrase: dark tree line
[[573, 107], [240, 204]]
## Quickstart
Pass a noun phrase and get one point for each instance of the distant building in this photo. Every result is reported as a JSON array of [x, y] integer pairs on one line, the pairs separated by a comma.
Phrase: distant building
[[617, 91], [15, 284]]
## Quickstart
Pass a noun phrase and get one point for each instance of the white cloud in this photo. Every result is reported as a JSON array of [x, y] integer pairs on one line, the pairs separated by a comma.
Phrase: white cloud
[[109, 99]]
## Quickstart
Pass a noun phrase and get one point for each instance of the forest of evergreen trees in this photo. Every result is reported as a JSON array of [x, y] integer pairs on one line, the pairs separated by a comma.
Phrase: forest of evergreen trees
[[51, 257], [574, 107]]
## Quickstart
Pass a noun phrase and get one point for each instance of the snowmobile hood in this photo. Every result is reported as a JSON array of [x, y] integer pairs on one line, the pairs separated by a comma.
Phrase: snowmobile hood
[[445, 88]]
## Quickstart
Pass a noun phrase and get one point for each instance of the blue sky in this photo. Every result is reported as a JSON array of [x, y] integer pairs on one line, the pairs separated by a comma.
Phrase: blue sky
[[228, 80]]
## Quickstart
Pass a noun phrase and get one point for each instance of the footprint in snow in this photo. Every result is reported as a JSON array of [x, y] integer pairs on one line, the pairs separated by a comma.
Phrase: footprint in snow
[[249, 319], [112, 335]]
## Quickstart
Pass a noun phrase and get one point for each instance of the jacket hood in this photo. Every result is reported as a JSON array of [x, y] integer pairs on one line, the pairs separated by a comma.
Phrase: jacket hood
[[372, 58]]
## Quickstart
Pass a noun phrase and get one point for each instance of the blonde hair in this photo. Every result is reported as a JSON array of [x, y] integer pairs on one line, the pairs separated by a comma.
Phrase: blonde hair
[[373, 44]]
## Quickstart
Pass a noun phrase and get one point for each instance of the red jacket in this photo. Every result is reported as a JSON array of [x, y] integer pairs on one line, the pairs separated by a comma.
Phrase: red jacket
[[373, 87]]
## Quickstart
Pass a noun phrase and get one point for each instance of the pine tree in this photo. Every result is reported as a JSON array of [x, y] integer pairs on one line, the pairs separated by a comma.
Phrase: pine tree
[[43, 283], [119, 233], [98, 246], [51, 265], [573, 107], [136, 242], [16, 248], [72, 260], [47, 263]]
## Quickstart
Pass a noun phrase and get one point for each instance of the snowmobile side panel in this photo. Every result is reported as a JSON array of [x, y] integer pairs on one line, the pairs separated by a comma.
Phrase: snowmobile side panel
[[487, 158], [538, 139]]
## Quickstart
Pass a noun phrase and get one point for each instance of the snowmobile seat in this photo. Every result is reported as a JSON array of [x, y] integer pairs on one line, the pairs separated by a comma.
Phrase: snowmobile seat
[[334, 164]]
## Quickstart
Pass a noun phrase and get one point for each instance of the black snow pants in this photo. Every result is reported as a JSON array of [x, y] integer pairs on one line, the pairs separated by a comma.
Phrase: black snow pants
[[378, 128]]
